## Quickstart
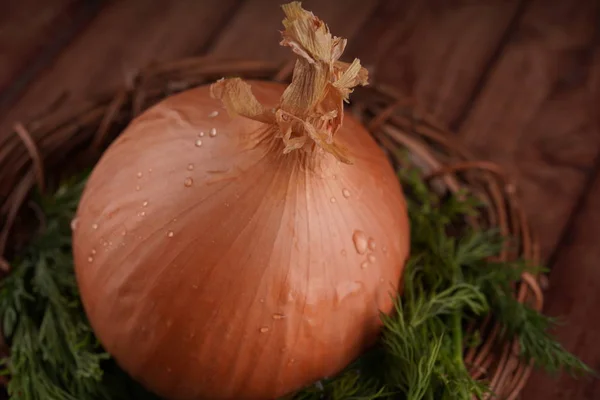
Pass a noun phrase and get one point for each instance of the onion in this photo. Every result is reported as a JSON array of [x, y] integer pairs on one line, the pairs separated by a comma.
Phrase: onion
[[244, 254]]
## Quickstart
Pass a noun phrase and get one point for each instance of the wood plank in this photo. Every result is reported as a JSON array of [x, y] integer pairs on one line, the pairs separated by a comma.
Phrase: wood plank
[[535, 117], [435, 50], [574, 297], [32, 33], [23, 33], [255, 30], [123, 38], [388, 22]]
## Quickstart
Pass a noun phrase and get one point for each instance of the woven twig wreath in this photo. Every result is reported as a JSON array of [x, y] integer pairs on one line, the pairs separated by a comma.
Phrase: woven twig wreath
[[44, 149]]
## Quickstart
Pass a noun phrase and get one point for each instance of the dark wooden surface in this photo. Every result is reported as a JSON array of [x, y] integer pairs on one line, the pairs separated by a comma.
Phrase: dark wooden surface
[[518, 81]]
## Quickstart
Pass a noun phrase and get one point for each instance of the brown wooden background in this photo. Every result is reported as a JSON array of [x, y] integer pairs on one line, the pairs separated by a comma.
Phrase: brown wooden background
[[518, 81]]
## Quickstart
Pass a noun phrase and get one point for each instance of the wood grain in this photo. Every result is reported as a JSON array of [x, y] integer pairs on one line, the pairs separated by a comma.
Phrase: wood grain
[[535, 116], [123, 38], [32, 34], [255, 30], [387, 24], [23, 32], [435, 50]]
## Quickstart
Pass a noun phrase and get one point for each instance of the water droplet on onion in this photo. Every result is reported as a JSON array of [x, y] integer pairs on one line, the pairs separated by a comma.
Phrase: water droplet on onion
[[372, 244], [372, 258], [93, 251], [194, 286], [360, 241], [190, 167], [94, 226], [139, 174], [364, 265], [201, 134], [278, 316], [142, 214], [332, 200], [213, 114], [345, 193], [384, 249], [213, 132], [90, 259], [198, 143], [145, 203], [188, 182], [137, 188], [170, 234], [150, 170], [123, 232], [344, 290], [264, 329], [74, 224]]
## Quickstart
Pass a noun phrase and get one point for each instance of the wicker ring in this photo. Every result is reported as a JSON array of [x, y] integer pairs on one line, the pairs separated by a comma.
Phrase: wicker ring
[[39, 150]]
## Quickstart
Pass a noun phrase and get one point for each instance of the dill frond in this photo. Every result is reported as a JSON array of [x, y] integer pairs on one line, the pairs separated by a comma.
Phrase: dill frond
[[532, 330], [53, 352]]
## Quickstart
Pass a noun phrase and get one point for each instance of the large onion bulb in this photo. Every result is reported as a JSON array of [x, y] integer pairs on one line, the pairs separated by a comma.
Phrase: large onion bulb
[[243, 254]]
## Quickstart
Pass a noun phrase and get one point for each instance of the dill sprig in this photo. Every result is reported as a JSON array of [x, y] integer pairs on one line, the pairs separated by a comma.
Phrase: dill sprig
[[532, 329], [53, 352], [449, 281]]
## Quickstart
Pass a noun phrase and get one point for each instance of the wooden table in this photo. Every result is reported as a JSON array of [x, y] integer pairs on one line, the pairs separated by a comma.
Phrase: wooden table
[[518, 81]]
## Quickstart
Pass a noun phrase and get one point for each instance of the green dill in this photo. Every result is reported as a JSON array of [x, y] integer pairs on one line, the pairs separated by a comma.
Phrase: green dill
[[532, 330], [449, 281], [54, 354]]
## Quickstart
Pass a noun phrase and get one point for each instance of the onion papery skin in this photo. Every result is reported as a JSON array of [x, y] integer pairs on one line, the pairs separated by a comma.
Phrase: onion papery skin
[[217, 267]]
